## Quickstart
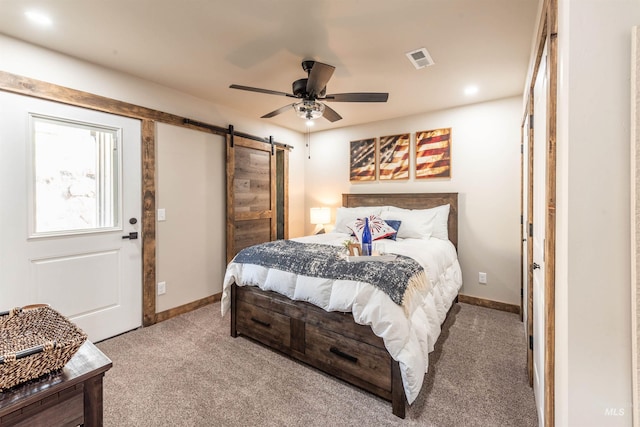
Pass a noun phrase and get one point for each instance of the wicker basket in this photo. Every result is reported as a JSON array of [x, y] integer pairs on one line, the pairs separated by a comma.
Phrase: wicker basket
[[34, 341]]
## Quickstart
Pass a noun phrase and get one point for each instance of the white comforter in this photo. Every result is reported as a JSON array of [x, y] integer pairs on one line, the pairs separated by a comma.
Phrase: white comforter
[[409, 332]]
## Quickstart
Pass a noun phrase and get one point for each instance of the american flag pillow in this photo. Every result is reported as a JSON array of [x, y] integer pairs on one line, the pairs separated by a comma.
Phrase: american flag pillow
[[379, 228]]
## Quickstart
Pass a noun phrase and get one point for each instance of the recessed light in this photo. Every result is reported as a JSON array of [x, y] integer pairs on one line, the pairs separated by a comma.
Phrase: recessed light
[[39, 18], [471, 90], [309, 123]]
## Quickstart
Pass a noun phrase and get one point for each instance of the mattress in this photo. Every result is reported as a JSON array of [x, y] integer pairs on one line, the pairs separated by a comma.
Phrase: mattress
[[409, 331]]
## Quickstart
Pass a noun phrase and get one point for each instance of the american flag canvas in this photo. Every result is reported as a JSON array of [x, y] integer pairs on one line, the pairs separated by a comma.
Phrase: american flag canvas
[[394, 157], [433, 153], [363, 160]]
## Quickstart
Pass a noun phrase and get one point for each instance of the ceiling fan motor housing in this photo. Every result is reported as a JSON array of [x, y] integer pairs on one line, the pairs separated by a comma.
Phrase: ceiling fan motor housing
[[299, 89]]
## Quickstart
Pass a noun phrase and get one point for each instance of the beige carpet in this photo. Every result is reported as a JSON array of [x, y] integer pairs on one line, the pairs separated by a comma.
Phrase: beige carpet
[[188, 371]]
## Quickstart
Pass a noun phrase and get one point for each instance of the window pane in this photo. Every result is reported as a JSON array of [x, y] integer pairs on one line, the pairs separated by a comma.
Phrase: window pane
[[75, 175]]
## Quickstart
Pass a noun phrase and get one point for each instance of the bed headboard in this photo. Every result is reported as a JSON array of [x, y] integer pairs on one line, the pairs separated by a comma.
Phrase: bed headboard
[[410, 201]]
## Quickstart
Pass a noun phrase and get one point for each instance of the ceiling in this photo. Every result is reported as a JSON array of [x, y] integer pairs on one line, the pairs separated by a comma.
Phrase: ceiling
[[200, 47]]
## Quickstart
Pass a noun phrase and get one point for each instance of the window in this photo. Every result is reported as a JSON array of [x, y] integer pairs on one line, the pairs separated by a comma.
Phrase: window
[[76, 177]]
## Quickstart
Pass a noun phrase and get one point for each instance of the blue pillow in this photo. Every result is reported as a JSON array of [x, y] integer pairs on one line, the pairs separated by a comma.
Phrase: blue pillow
[[395, 224]]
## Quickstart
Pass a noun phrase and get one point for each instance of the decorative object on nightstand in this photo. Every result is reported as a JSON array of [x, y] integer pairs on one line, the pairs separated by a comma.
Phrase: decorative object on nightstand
[[320, 217]]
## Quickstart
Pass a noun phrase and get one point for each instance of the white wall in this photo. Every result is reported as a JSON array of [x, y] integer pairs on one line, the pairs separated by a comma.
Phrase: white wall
[[191, 244], [593, 306], [485, 172]]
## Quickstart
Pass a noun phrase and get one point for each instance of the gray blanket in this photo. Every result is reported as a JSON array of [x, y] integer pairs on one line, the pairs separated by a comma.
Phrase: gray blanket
[[316, 260]]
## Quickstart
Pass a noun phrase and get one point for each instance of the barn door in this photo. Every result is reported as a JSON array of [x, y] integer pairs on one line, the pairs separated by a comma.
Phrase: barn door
[[251, 194]]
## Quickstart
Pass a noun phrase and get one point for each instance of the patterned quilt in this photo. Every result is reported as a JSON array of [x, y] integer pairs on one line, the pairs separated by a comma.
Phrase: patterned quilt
[[317, 260]]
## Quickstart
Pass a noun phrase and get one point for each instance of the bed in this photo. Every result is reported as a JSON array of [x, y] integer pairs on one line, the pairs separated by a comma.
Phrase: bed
[[351, 329]]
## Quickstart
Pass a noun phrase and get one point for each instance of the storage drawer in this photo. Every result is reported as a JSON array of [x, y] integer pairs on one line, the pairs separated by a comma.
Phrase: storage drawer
[[347, 358], [266, 326]]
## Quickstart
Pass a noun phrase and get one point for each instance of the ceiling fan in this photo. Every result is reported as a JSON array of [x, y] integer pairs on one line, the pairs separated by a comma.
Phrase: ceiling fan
[[313, 89]]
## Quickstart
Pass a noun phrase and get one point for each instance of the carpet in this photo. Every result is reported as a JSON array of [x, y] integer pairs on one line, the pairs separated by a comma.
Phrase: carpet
[[188, 371]]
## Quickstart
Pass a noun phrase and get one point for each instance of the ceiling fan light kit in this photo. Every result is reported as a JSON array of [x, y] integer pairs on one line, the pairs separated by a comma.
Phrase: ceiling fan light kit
[[312, 90], [309, 110]]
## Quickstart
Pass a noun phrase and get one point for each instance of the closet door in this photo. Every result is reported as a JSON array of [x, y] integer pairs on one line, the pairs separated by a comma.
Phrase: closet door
[[251, 194]]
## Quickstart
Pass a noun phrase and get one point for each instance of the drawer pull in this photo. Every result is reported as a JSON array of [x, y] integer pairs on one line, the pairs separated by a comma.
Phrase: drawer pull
[[260, 322], [344, 355]]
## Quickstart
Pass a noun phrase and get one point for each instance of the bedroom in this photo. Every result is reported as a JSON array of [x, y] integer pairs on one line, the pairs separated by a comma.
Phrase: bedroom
[[578, 394]]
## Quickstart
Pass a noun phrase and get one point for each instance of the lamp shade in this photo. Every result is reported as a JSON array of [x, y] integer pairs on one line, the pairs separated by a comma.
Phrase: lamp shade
[[320, 215]]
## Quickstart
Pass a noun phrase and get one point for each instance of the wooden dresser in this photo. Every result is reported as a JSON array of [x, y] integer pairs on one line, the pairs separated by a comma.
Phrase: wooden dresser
[[71, 397]]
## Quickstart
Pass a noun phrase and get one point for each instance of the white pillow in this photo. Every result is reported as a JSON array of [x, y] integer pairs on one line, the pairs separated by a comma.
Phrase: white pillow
[[345, 216], [440, 225], [379, 228], [415, 224]]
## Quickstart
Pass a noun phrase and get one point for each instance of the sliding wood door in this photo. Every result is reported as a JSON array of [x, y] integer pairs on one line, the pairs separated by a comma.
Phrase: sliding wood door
[[251, 194]]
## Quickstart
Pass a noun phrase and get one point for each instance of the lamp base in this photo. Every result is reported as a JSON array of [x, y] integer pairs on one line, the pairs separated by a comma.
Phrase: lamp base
[[319, 229]]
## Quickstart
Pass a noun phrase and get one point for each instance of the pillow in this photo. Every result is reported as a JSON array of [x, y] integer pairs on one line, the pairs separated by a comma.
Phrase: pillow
[[345, 216], [395, 225], [379, 228], [440, 226], [416, 224]]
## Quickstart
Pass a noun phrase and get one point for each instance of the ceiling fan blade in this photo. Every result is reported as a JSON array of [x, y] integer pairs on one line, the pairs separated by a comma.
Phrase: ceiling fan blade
[[318, 78], [276, 112], [330, 114], [357, 97], [256, 89]]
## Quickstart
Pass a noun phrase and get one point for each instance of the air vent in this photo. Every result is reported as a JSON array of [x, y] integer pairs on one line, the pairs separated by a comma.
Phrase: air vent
[[420, 58]]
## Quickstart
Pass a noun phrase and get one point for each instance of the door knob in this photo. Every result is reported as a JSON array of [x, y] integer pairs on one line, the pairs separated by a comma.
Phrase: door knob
[[133, 235], [536, 266]]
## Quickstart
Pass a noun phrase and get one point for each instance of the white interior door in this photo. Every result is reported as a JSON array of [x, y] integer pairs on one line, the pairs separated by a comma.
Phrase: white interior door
[[70, 191], [539, 226], [527, 306]]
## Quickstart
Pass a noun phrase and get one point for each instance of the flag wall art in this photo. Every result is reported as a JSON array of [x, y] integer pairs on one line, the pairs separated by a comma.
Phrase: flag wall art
[[433, 153], [362, 165], [394, 157]]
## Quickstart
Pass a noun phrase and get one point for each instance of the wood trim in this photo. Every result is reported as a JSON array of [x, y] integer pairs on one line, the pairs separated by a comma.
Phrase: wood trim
[[523, 132], [185, 308], [495, 305], [550, 232], [530, 248], [148, 222]]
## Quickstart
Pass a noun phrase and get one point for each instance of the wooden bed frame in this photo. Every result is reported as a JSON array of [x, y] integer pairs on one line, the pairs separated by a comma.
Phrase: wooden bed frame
[[332, 341]]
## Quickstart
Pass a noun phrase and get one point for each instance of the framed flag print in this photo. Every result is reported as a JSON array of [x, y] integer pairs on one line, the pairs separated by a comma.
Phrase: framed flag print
[[394, 157], [433, 153], [362, 165]]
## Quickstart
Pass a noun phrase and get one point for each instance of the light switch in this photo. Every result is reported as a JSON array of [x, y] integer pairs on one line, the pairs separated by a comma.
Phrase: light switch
[[161, 215], [482, 278]]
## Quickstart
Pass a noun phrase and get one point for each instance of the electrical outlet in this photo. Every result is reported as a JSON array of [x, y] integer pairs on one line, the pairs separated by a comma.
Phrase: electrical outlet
[[162, 288], [482, 278]]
